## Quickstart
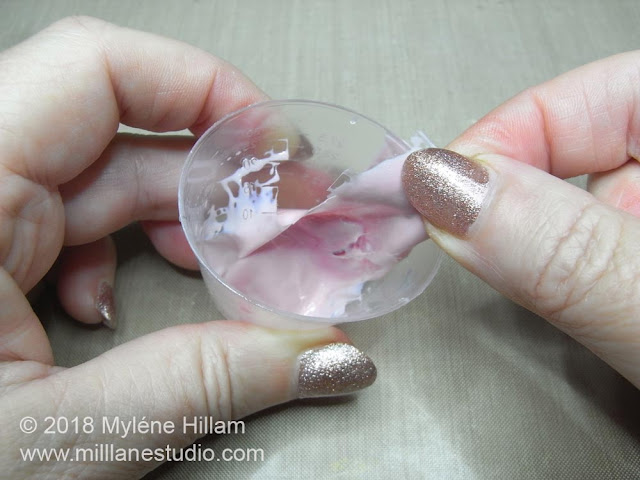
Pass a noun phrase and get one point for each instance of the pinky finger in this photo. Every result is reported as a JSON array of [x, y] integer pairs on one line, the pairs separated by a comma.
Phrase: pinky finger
[[85, 282]]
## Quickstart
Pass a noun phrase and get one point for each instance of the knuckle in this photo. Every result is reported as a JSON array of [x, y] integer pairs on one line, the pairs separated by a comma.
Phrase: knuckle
[[83, 35], [77, 24], [79, 41], [573, 269], [216, 377], [138, 174], [198, 376]]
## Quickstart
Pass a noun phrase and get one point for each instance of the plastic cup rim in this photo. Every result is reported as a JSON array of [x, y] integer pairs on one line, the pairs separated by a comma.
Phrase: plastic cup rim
[[196, 250]]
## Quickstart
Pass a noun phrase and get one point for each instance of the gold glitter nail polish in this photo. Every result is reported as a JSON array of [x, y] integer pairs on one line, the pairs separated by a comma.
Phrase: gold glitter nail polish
[[445, 187], [106, 305], [335, 369]]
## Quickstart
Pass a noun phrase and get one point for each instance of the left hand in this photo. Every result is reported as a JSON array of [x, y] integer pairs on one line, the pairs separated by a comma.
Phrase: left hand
[[67, 179]]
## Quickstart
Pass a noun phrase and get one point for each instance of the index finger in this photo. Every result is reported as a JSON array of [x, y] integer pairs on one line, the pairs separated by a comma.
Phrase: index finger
[[64, 92], [585, 121]]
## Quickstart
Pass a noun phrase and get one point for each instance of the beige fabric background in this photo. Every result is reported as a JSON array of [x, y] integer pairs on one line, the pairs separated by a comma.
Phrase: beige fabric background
[[470, 385]]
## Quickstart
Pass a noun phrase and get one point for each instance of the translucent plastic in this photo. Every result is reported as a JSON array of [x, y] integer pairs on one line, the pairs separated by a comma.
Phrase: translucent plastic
[[312, 146]]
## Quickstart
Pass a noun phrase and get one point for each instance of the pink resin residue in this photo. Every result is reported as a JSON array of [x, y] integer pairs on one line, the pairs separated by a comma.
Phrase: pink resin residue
[[314, 262]]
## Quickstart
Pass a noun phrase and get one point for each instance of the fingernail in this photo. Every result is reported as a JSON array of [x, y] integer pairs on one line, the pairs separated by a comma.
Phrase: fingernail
[[335, 369], [106, 305], [445, 187]]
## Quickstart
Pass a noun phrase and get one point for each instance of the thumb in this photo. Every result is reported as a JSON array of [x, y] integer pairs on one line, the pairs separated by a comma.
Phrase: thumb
[[545, 243], [217, 371]]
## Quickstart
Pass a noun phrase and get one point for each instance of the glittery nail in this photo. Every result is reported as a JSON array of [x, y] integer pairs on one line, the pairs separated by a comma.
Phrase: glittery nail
[[445, 187], [106, 305], [335, 369]]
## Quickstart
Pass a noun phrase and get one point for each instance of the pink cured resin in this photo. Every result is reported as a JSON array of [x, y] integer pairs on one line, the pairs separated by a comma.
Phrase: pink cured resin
[[313, 262]]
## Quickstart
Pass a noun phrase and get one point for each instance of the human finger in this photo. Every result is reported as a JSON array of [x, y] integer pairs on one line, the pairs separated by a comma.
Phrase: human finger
[[135, 178], [78, 80], [547, 244], [184, 376], [584, 121], [85, 281], [62, 114], [104, 75]]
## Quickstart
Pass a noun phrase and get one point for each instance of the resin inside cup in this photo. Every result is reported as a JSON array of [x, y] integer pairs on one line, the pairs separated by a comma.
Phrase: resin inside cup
[[296, 213]]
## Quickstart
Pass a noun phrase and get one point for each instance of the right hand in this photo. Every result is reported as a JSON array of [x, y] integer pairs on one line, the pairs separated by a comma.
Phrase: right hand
[[572, 257]]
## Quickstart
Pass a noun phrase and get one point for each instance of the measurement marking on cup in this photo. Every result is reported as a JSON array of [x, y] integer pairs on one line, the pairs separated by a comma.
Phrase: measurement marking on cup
[[247, 195], [248, 163]]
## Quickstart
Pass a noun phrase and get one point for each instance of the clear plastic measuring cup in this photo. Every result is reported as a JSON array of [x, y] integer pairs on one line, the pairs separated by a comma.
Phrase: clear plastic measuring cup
[[257, 172]]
